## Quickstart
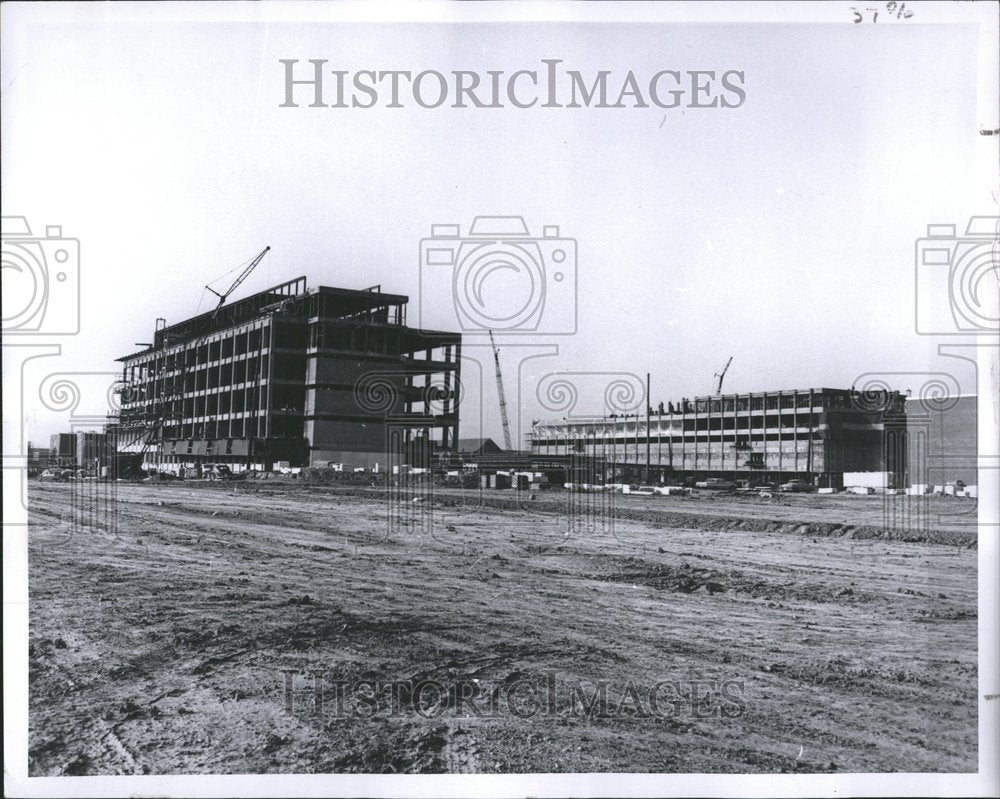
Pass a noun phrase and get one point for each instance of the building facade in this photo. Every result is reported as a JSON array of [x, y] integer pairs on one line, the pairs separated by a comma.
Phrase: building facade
[[92, 450], [296, 375], [62, 449], [38, 457], [815, 434], [943, 440]]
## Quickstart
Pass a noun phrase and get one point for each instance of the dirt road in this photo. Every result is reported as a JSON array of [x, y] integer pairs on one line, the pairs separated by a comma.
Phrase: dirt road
[[192, 628]]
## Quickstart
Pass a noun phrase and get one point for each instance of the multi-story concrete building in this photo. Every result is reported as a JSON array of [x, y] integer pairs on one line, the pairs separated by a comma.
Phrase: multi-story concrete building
[[62, 449], [304, 376], [92, 450], [816, 434]]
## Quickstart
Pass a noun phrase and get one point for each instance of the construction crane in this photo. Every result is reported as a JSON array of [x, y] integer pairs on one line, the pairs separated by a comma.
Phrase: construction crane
[[243, 276], [721, 375], [503, 399]]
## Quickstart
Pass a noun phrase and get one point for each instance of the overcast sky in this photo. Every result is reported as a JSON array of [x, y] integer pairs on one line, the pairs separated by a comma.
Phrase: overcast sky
[[780, 232]]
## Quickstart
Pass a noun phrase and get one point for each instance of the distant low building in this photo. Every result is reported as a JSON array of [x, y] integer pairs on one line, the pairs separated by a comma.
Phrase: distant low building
[[943, 440], [38, 457], [816, 434], [479, 446]]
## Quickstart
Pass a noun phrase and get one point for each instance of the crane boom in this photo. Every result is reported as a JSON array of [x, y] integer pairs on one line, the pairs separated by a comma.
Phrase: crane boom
[[503, 399], [236, 283], [721, 375]]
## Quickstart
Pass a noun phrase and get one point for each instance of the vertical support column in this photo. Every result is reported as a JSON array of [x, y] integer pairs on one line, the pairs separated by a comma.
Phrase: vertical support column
[[812, 427], [649, 409], [763, 427], [708, 430], [795, 423], [736, 433], [458, 386], [429, 430], [269, 404], [446, 404], [670, 440], [683, 434], [697, 433], [659, 439]]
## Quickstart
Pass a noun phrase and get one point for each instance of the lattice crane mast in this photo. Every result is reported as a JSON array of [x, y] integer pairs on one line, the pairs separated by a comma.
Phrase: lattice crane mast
[[503, 399], [721, 375], [242, 276]]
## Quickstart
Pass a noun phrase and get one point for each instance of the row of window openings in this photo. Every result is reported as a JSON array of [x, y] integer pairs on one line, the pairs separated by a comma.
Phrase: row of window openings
[[201, 379], [238, 402], [755, 459], [215, 430], [738, 442], [318, 305], [706, 423], [357, 338], [770, 403], [239, 344], [287, 367]]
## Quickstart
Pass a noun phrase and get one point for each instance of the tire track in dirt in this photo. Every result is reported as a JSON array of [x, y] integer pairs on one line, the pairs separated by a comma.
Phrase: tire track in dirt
[[192, 617]]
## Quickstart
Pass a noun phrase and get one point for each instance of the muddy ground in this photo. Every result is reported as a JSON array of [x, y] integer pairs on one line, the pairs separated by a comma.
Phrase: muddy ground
[[277, 627]]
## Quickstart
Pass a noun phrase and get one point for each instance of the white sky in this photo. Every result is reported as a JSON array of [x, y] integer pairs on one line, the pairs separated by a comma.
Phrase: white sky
[[781, 233]]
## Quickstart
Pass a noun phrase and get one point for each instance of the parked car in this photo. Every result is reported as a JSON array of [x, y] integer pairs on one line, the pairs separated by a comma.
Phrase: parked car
[[796, 486], [716, 484], [153, 476], [217, 471], [59, 475]]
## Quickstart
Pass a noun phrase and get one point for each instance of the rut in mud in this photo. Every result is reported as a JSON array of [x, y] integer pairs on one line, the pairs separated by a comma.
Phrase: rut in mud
[[187, 635]]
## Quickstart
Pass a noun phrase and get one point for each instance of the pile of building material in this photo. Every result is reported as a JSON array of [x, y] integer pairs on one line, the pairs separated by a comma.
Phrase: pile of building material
[[875, 481], [955, 488], [641, 491], [668, 491]]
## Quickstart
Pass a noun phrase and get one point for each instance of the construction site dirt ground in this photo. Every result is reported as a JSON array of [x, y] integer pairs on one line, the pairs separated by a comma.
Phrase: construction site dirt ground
[[191, 627]]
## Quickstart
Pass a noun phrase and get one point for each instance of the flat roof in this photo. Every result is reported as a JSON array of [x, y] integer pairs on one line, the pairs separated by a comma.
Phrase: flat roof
[[606, 418], [347, 302]]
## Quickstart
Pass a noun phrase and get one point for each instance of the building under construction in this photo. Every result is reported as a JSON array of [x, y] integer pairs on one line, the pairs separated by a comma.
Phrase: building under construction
[[305, 376], [814, 434]]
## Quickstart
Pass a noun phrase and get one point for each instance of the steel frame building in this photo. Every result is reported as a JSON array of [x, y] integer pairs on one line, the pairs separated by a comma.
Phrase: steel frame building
[[289, 374], [817, 434]]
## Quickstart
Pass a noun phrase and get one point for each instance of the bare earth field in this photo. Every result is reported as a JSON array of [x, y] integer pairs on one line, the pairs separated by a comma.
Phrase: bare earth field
[[187, 629]]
